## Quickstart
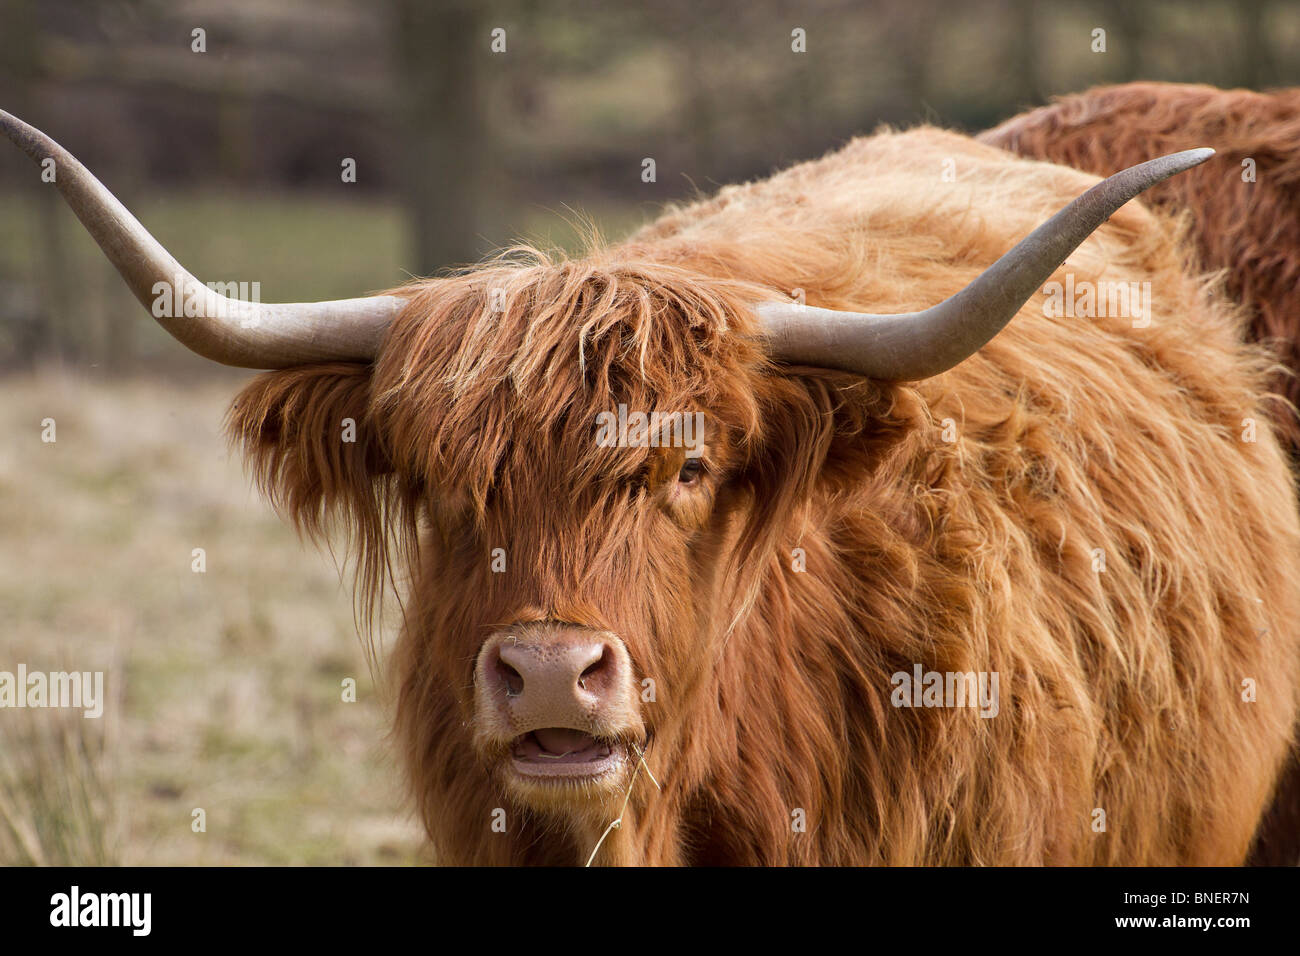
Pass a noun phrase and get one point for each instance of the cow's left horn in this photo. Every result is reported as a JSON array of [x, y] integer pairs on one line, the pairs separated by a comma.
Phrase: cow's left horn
[[916, 345], [230, 331]]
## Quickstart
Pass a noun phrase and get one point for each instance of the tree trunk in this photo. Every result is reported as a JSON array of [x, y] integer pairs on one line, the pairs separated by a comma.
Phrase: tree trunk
[[439, 48]]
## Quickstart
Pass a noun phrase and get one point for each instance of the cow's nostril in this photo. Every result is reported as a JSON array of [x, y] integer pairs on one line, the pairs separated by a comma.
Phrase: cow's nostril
[[511, 679], [593, 669]]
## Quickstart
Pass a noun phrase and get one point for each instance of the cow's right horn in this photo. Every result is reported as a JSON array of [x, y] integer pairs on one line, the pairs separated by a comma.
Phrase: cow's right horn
[[230, 331], [911, 346]]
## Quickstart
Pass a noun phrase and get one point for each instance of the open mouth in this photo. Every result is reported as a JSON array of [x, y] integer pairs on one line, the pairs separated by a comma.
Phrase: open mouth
[[562, 753]]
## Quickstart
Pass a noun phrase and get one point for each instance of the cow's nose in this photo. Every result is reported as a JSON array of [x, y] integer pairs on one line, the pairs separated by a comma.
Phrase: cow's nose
[[556, 668], [554, 677]]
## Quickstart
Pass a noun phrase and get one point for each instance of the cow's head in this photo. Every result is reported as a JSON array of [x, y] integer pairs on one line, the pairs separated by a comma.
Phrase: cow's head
[[577, 467]]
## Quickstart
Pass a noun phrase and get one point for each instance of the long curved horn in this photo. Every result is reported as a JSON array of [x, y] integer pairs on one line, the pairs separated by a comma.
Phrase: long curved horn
[[916, 345], [230, 331]]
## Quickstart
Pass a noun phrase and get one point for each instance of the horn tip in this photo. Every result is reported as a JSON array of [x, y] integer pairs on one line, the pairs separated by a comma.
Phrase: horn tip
[[1194, 157]]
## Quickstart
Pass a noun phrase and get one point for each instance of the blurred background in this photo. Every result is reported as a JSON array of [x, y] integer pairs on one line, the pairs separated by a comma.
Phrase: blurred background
[[229, 145]]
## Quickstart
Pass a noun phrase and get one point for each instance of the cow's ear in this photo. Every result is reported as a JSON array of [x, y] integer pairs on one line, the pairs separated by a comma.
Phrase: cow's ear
[[307, 436], [826, 429], [823, 432], [866, 424]]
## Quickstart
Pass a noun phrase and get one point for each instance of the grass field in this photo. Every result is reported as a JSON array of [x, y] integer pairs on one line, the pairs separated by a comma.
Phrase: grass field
[[223, 687]]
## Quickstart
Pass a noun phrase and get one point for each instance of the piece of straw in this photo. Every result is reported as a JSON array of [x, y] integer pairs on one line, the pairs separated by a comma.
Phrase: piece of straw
[[618, 821]]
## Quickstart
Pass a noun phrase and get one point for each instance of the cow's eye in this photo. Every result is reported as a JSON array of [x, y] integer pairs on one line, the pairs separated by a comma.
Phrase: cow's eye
[[691, 471]]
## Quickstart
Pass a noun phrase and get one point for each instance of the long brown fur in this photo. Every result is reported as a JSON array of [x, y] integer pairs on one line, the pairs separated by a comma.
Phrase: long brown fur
[[1246, 217], [1245, 205], [1121, 689]]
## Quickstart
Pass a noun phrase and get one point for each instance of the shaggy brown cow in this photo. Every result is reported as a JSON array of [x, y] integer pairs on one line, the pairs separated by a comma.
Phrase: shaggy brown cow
[[1093, 511]]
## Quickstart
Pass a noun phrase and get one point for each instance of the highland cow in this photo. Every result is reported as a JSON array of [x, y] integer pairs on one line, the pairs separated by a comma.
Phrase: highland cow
[[705, 649]]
